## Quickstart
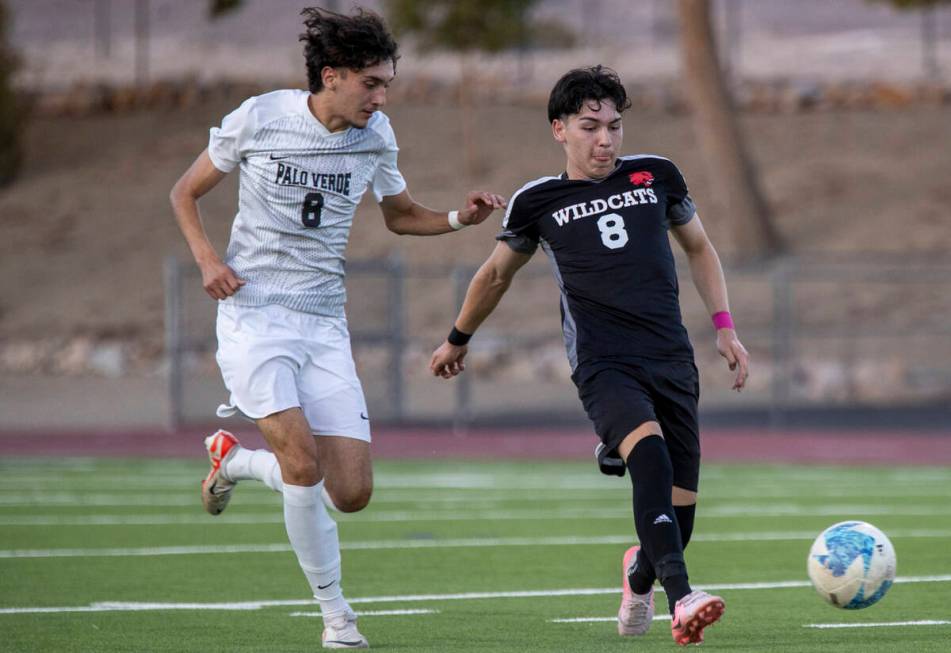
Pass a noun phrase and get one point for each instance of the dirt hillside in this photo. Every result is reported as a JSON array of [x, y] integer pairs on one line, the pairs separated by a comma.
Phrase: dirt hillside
[[85, 229]]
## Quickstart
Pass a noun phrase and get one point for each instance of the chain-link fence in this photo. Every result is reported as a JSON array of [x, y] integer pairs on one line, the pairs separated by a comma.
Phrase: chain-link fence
[[825, 334], [63, 42]]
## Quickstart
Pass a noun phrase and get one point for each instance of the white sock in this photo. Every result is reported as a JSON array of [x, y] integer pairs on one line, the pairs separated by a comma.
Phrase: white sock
[[255, 465], [313, 536]]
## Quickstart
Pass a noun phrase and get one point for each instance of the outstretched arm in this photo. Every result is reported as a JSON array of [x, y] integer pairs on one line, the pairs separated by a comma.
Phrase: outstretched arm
[[708, 277], [484, 293], [218, 279], [403, 215]]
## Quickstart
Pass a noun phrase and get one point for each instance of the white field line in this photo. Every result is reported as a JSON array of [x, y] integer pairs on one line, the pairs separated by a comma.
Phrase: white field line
[[123, 606], [31, 490], [487, 542], [585, 620], [465, 476], [882, 624], [190, 498], [484, 496], [487, 483], [276, 517], [120, 499], [373, 613]]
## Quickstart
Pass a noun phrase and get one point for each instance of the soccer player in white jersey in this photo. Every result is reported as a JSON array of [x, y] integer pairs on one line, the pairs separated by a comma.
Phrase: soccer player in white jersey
[[305, 160]]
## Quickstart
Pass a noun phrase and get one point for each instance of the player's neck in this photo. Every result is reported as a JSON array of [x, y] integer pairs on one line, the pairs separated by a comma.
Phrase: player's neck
[[321, 108]]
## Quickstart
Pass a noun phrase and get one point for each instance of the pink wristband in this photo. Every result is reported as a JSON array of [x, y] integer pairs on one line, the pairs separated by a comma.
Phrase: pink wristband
[[722, 320]]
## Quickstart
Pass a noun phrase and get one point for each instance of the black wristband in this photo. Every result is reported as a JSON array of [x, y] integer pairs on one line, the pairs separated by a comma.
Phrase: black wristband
[[457, 337]]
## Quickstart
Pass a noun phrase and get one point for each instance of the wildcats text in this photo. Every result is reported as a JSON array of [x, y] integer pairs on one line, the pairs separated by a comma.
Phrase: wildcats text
[[598, 206]]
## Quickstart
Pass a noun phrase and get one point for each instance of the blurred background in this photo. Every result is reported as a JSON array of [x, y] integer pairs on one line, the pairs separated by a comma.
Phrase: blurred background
[[814, 136]]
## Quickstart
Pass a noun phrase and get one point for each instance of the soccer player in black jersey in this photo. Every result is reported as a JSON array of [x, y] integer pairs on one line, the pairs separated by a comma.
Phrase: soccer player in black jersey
[[603, 224]]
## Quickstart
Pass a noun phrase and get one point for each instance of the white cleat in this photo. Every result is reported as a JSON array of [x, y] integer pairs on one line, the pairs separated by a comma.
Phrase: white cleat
[[636, 613], [692, 614], [216, 489], [340, 631]]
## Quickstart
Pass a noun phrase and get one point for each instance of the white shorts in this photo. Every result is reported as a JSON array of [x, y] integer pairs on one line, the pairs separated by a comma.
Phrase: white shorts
[[273, 358]]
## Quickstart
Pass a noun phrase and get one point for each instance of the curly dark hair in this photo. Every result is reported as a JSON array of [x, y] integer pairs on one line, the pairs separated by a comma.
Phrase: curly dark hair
[[581, 84], [355, 42]]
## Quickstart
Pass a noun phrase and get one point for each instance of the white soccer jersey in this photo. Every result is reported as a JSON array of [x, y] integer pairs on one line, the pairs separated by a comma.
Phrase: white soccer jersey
[[299, 187]]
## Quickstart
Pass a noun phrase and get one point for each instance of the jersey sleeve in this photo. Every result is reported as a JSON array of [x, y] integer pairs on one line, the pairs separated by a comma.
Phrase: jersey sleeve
[[387, 179], [680, 206], [520, 226], [227, 143]]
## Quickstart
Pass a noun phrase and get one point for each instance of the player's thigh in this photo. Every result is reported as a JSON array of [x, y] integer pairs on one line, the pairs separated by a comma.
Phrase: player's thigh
[[330, 393], [289, 436], [259, 362], [619, 405], [676, 390]]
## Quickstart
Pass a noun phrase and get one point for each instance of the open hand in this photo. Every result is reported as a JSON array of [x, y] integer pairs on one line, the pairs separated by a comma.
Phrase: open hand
[[479, 206]]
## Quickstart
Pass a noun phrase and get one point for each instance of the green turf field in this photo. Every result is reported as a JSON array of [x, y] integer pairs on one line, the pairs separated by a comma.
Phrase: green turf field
[[103, 556]]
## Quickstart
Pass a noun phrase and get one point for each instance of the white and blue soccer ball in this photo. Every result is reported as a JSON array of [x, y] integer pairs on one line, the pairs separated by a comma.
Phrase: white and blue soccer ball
[[852, 565]]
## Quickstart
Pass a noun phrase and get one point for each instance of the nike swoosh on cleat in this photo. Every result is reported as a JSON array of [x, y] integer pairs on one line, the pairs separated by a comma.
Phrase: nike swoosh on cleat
[[344, 642]]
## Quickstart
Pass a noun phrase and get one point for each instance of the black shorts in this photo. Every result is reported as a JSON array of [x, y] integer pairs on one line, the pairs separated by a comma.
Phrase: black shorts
[[620, 396]]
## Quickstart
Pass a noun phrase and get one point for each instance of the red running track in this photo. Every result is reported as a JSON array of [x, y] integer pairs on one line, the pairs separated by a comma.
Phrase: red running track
[[801, 446]]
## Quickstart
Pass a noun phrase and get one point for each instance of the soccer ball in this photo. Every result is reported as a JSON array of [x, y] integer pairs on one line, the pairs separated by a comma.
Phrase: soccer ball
[[851, 565]]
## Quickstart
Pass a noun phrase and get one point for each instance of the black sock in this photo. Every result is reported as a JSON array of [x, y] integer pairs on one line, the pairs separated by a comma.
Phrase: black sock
[[642, 574], [654, 515], [641, 577], [685, 515]]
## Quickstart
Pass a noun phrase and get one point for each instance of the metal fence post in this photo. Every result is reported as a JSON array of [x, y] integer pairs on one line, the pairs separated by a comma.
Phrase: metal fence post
[[782, 335], [173, 341], [102, 28], [462, 413], [142, 11], [929, 43], [395, 319]]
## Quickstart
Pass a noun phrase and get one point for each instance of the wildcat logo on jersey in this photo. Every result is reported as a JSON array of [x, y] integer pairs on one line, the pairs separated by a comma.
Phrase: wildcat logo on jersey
[[288, 175], [642, 178]]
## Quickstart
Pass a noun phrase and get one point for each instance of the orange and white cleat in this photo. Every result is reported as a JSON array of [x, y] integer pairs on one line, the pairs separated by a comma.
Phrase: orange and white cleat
[[216, 489], [692, 614], [636, 613]]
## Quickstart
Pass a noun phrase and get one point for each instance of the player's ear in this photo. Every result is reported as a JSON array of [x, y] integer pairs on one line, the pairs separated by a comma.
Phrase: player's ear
[[329, 76], [558, 128]]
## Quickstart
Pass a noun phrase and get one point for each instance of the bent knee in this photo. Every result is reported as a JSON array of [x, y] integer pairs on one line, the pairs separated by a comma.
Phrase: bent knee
[[630, 441], [300, 472], [351, 499]]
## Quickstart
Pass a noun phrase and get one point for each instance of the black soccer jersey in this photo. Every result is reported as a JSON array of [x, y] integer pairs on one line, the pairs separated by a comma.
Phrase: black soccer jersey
[[608, 245]]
